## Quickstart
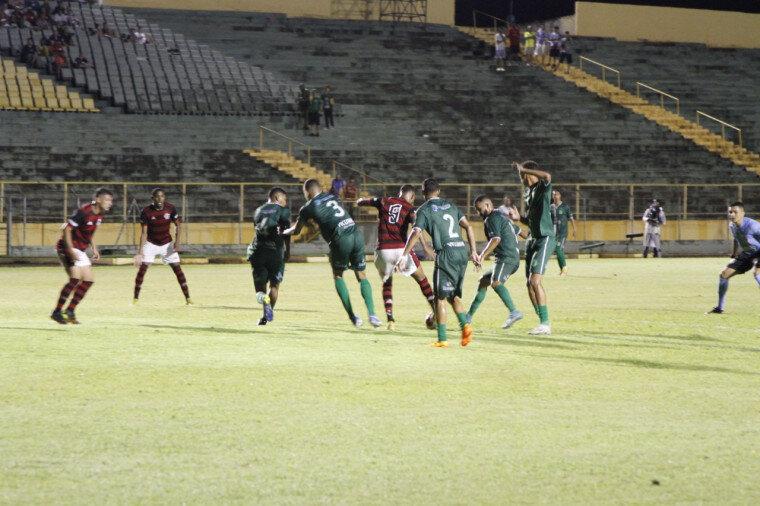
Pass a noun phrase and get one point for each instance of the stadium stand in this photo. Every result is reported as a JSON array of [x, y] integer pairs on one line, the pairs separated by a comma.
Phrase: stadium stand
[[168, 74], [21, 90]]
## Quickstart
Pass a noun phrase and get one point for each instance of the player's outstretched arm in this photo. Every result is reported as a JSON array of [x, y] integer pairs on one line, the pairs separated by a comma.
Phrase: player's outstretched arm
[[295, 229], [489, 247], [540, 174], [365, 201], [95, 250], [414, 236], [177, 237], [143, 238]]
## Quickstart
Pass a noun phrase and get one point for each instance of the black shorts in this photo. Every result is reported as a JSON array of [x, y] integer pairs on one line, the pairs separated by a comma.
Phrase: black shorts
[[744, 262], [554, 52], [313, 118]]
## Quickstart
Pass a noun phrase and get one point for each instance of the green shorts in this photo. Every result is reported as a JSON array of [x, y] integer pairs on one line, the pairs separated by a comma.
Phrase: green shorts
[[448, 274], [348, 252], [268, 266], [501, 271], [537, 254]]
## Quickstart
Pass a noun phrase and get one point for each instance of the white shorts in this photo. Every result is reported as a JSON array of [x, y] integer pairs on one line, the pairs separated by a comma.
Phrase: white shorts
[[385, 261], [540, 50], [168, 255], [82, 260]]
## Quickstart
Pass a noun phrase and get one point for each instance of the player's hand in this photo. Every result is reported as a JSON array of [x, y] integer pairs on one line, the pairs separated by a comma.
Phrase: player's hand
[[138, 258], [475, 260], [95, 254], [514, 214], [177, 247]]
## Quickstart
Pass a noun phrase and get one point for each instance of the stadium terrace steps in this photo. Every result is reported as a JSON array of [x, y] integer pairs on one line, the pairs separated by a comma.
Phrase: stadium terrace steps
[[290, 165], [673, 122], [21, 90]]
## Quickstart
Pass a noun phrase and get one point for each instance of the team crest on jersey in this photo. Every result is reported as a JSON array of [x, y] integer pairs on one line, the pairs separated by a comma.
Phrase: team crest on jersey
[[440, 208], [89, 223], [166, 216]]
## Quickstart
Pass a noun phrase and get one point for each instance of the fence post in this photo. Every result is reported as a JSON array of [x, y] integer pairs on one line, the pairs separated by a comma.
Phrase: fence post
[[685, 201], [630, 204], [308, 155], [126, 202], [740, 193], [2, 201], [334, 169], [65, 200], [9, 228], [241, 213], [261, 138], [184, 211], [469, 198]]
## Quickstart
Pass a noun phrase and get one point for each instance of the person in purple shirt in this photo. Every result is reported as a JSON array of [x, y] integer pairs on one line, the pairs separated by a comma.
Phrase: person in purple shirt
[[746, 233]]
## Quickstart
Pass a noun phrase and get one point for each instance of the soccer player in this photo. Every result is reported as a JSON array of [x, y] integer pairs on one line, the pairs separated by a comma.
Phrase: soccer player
[[441, 220], [77, 235], [395, 214], [538, 191], [746, 233], [156, 239], [346, 245], [269, 250], [561, 214], [502, 242]]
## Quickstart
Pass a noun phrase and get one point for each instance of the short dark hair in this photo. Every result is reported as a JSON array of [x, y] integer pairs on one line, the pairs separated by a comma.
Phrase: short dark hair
[[557, 192], [103, 191], [480, 198], [311, 184], [530, 165], [430, 185], [737, 204], [275, 191], [406, 189], [156, 190]]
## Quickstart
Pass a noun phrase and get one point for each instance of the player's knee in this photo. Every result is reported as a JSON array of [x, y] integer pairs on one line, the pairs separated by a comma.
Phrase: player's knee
[[495, 284], [534, 281]]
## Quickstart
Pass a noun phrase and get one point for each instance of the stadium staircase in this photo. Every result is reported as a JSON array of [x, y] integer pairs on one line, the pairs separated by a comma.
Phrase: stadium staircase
[[290, 165], [690, 130]]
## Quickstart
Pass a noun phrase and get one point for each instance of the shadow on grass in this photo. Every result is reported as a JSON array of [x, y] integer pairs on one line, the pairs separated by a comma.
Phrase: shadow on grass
[[692, 337], [651, 364], [537, 343], [213, 330], [258, 308], [58, 329]]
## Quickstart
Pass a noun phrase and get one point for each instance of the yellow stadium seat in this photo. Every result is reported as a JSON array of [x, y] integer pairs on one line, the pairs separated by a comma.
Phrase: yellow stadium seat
[[39, 103], [60, 91], [27, 102], [64, 103], [73, 95], [76, 103], [15, 102], [89, 104], [53, 103]]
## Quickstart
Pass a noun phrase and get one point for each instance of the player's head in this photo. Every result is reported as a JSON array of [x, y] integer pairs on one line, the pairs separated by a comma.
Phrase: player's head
[[158, 196], [311, 188], [430, 188], [407, 193], [529, 179], [483, 205], [508, 201], [736, 212], [556, 196], [103, 197], [278, 196]]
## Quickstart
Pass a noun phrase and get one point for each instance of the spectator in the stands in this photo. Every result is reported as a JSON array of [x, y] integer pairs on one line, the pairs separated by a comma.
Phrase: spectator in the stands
[[338, 184], [28, 53], [565, 56], [553, 40], [59, 62], [500, 49], [302, 101], [529, 43], [328, 105], [540, 50], [315, 110], [513, 34], [350, 194], [81, 62]]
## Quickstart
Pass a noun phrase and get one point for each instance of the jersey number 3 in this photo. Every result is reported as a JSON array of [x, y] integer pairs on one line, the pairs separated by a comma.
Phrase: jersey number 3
[[336, 207]]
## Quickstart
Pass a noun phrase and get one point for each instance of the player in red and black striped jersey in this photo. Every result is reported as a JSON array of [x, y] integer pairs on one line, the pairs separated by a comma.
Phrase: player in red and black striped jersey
[[156, 240], [395, 215], [76, 237]]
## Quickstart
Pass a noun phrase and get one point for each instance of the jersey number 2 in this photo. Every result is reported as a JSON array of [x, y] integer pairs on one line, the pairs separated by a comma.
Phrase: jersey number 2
[[452, 223]]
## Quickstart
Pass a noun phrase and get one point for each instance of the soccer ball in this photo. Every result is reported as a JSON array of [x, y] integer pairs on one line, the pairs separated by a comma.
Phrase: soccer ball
[[430, 321]]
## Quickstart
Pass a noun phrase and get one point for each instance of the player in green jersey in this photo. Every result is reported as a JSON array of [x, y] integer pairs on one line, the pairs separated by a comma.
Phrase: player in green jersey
[[538, 250], [345, 241], [502, 237], [442, 220], [561, 215], [269, 250]]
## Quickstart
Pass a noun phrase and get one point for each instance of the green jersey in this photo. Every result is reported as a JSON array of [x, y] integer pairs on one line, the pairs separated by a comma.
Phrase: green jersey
[[562, 214], [332, 218], [440, 219], [538, 198], [270, 220], [498, 225]]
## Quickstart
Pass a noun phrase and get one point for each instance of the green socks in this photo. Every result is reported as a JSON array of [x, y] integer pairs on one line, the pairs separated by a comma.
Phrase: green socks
[[366, 290], [503, 294], [462, 317], [480, 296], [561, 257], [543, 315], [342, 290], [441, 331]]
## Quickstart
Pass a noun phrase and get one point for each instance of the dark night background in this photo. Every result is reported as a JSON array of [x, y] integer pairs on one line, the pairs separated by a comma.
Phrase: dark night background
[[532, 10]]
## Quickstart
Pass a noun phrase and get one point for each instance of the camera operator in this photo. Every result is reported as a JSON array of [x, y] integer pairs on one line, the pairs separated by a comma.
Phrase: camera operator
[[654, 219]]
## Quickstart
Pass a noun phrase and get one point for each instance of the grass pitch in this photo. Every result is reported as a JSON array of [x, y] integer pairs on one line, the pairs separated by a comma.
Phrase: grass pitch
[[637, 397]]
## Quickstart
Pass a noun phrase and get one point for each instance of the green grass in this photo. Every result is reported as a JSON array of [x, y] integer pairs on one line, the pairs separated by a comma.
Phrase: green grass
[[166, 403]]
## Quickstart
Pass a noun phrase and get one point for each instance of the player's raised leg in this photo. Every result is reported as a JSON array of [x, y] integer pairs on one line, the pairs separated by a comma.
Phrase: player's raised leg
[[480, 294]]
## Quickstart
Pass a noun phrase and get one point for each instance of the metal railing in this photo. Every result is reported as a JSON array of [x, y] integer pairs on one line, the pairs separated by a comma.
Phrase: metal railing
[[604, 68], [723, 125], [290, 141], [661, 93], [496, 20]]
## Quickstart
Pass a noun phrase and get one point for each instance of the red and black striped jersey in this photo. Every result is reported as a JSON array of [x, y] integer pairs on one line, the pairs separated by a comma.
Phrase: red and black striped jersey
[[83, 223], [395, 215], [159, 223]]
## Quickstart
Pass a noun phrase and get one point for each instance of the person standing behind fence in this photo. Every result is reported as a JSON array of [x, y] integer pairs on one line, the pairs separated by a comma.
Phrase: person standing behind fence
[[513, 34], [302, 100], [565, 56], [540, 50], [654, 219], [500, 49], [328, 104], [315, 110], [529, 42]]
